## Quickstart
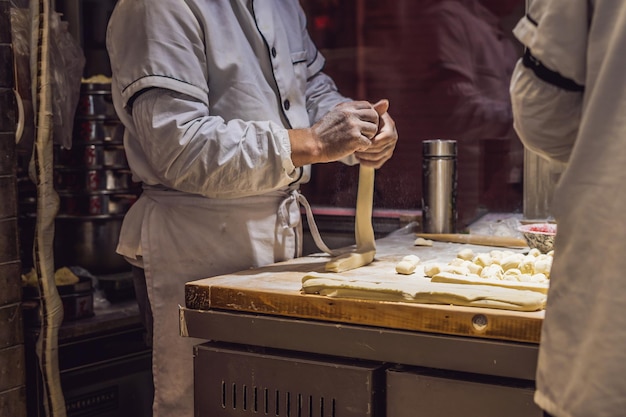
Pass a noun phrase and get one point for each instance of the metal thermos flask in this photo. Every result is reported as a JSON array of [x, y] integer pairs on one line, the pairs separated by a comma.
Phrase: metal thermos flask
[[439, 184]]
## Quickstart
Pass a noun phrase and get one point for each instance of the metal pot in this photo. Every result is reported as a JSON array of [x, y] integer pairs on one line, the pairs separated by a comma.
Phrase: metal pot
[[91, 156], [102, 203], [98, 131], [89, 242], [95, 102], [93, 180]]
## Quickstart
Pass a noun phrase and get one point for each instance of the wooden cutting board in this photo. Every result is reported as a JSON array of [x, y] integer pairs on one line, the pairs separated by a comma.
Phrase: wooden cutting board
[[275, 290]]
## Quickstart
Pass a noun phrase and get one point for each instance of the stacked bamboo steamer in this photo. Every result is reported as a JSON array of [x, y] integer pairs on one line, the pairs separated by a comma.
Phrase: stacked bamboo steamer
[[94, 184]]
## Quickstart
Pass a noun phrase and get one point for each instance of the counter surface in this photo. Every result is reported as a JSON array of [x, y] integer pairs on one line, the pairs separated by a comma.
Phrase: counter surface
[[274, 290]]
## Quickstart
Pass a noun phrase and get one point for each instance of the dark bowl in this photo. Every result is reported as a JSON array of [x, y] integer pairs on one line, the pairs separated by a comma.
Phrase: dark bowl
[[539, 235]]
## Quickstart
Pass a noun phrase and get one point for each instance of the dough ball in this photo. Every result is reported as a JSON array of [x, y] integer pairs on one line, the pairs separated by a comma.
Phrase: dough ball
[[457, 262], [496, 255], [511, 261], [431, 270], [543, 266], [405, 267], [474, 268], [539, 278], [493, 271], [466, 254], [471, 266], [412, 259], [512, 274], [420, 241], [527, 266], [459, 270], [483, 259]]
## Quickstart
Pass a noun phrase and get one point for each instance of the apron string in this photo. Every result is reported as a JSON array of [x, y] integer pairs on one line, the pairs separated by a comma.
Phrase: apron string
[[284, 213]]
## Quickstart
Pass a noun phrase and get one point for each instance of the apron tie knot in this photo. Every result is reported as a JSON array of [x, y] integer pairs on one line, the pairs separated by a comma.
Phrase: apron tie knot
[[290, 216]]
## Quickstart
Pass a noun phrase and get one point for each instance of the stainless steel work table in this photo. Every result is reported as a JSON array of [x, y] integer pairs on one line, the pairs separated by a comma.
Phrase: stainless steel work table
[[445, 360]]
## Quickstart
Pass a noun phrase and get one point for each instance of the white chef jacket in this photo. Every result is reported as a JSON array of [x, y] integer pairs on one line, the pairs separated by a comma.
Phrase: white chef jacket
[[571, 108], [206, 91]]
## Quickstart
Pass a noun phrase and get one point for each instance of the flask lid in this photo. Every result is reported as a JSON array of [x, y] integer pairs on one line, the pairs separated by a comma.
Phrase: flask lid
[[439, 147]]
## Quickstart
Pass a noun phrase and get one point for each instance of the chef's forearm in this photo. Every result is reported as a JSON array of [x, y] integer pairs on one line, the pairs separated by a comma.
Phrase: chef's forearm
[[305, 149], [346, 129]]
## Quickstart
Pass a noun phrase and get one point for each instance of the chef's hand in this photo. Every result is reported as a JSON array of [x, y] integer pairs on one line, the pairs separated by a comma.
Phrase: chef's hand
[[346, 129], [383, 143]]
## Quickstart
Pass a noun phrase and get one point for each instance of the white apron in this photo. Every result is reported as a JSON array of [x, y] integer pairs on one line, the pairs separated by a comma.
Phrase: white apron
[[248, 232]]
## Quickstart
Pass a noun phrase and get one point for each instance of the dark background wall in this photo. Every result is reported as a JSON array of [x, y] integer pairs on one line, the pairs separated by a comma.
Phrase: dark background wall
[[12, 372], [372, 50]]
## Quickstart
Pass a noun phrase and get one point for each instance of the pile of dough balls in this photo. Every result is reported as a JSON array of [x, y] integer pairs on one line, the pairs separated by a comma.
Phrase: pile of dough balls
[[498, 265]]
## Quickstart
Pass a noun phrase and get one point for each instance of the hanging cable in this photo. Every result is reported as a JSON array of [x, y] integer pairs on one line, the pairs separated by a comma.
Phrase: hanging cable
[[41, 171]]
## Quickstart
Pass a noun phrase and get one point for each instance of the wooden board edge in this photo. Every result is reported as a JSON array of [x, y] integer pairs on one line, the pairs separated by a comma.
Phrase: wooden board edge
[[432, 318]]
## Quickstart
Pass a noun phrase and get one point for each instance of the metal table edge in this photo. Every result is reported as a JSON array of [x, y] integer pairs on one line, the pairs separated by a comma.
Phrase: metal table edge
[[413, 348]]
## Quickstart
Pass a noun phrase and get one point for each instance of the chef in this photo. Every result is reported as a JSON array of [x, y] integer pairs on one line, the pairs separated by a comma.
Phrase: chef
[[569, 104], [225, 105]]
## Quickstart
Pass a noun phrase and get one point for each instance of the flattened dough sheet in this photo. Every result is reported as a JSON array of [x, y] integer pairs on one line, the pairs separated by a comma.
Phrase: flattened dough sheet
[[422, 290]]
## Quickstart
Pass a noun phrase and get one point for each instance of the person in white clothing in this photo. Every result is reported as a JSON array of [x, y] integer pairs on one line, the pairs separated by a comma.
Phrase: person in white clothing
[[569, 105], [224, 103]]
